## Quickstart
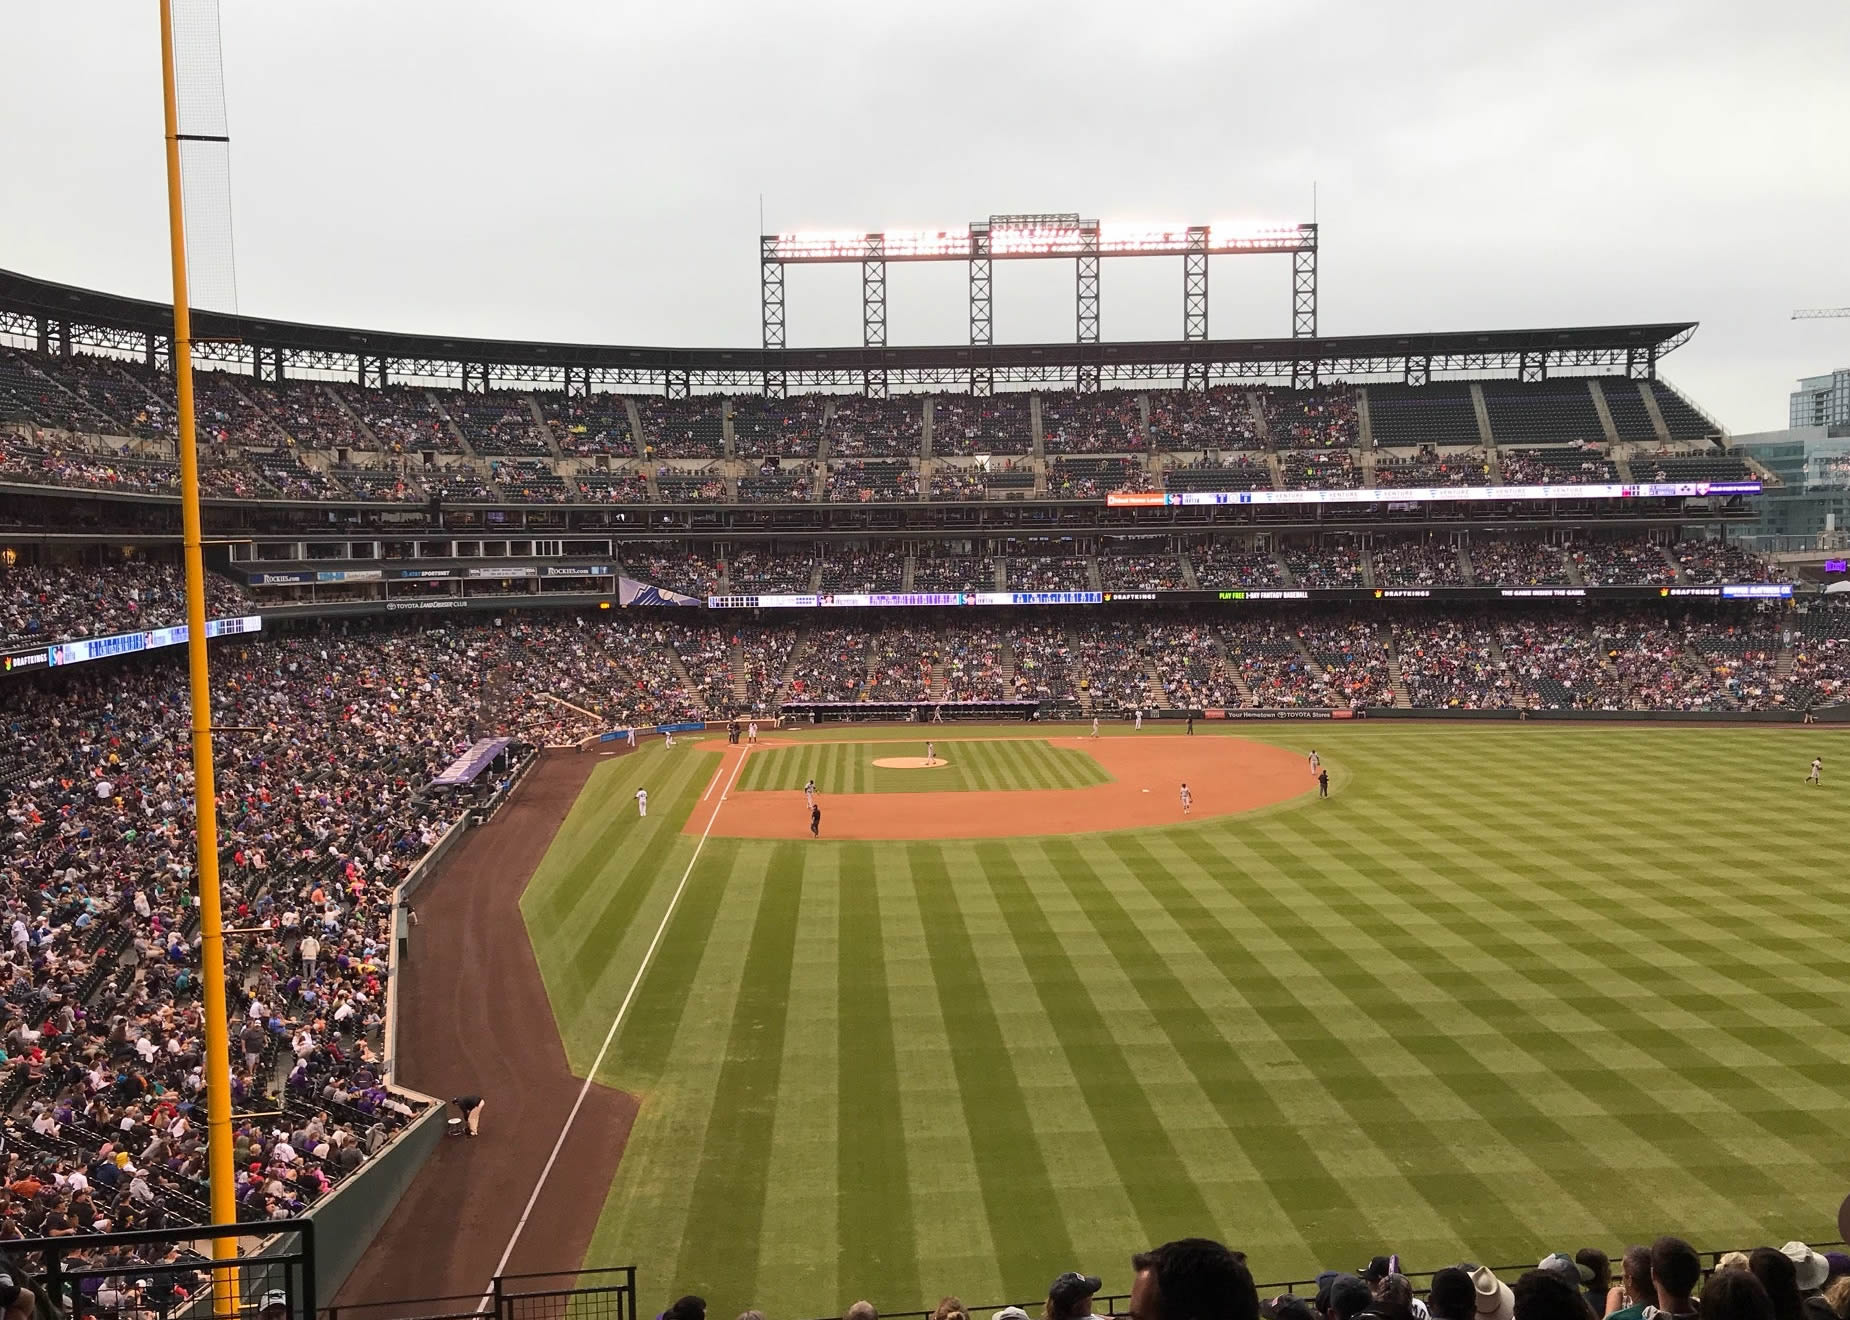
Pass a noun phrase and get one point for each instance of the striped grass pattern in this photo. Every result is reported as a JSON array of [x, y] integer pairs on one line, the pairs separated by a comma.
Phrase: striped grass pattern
[[1508, 991], [974, 766]]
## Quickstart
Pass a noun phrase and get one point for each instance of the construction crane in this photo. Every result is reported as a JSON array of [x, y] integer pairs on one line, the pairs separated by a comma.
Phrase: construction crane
[[1820, 313]]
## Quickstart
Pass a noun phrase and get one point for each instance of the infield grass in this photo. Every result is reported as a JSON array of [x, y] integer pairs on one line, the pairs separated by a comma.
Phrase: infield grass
[[971, 766], [1510, 990]]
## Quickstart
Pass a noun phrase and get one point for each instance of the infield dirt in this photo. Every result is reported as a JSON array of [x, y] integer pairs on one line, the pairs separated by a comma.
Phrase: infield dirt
[[1225, 775]]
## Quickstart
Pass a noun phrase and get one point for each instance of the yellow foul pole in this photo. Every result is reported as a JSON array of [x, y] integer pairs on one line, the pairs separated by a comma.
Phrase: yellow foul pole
[[205, 795]]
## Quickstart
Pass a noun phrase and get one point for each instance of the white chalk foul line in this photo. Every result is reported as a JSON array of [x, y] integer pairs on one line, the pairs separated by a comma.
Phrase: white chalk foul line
[[610, 1036]]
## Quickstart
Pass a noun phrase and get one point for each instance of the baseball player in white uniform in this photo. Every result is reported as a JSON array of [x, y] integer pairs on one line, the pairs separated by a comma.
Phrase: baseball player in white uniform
[[1095, 726], [642, 802], [809, 793], [1188, 799]]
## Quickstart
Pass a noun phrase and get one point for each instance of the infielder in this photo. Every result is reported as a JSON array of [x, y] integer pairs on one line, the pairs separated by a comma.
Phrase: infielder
[[632, 740], [809, 793], [667, 738], [1095, 726], [1140, 719], [751, 732], [1817, 772], [642, 802], [1188, 799], [1316, 763]]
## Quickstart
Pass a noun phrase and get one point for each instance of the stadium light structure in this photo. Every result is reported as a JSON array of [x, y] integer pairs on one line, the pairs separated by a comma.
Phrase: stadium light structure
[[1040, 236], [221, 1167]]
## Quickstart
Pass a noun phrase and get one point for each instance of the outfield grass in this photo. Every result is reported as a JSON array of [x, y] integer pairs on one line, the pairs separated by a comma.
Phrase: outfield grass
[[1510, 990], [985, 766]]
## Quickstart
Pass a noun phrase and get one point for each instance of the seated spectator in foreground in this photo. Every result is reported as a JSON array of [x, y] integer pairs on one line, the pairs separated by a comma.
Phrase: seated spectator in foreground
[[1192, 1279], [1735, 1295], [1675, 1271]]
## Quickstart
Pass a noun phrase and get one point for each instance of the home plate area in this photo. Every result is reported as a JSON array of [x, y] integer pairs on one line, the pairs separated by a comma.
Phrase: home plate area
[[996, 787]]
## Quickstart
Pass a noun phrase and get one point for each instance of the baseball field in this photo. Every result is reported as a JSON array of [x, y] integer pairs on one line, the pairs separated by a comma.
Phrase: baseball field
[[1507, 990]]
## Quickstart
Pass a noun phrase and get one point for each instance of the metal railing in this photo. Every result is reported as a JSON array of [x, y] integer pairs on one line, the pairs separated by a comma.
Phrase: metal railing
[[170, 1273]]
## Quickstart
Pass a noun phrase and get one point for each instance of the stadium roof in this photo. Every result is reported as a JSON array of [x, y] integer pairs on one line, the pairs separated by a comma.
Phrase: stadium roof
[[124, 321]]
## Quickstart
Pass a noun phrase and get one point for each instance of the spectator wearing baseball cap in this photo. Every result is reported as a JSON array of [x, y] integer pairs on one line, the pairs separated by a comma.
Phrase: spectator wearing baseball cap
[[1069, 1297], [1350, 1296]]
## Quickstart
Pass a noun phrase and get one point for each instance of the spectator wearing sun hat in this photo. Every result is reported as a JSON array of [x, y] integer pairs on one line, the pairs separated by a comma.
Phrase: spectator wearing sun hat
[[1494, 1299]]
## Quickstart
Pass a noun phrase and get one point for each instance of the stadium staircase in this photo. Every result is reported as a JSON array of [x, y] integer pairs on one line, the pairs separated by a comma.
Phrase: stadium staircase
[[372, 440], [1278, 473], [815, 576], [1365, 464], [1606, 423], [1038, 441], [1464, 563], [797, 651], [1284, 570], [728, 448], [1189, 579], [456, 432], [543, 427], [1486, 436], [1365, 426], [1573, 570], [1676, 566], [1622, 464], [1658, 425], [822, 443], [1231, 670], [735, 670], [1154, 698], [679, 670], [1039, 465], [1368, 569], [1095, 580], [1397, 681], [1261, 427], [1002, 573], [1084, 690], [934, 686]]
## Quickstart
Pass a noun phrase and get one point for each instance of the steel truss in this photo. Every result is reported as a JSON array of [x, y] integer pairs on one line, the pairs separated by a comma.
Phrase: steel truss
[[1085, 272], [771, 309], [1304, 305], [1195, 302], [981, 290], [873, 316]]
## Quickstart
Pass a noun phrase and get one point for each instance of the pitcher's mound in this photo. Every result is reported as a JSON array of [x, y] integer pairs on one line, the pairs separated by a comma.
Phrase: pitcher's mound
[[911, 763]]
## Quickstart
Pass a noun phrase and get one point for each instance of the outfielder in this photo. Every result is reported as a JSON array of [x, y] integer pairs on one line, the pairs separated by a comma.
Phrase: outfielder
[[809, 793], [642, 802], [1316, 763], [1140, 719], [1817, 772]]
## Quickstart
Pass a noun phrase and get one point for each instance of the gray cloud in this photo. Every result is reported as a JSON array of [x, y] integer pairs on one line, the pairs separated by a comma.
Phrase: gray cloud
[[592, 171]]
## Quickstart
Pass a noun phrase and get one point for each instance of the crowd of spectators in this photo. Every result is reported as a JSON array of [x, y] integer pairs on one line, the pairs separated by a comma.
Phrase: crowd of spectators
[[682, 428], [778, 428], [833, 666], [1230, 472], [42, 603], [762, 572], [1711, 561], [1049, 573], [94, 469], [1430, 467], [1326, 469], [871, 569], [584, 426], [1354, 656], [952, 481], [1518, 563], [1320, 418], [1108, 422], [1092, 478], [1189, 665], [954, 573], [861, 481], [904, 654], [611, 486], [1410, 563], [686, 572], [973, 659], [1216, 418], [686, 485], [400, 418], [1563, 465], [861, 426], [762, 656], [1131, 568], [1045, 663], [963, 426], [1114, 670], [1220, 564], [1322, 567], [1453, 662], [1611, 562], [1265, 653], [775, 483]]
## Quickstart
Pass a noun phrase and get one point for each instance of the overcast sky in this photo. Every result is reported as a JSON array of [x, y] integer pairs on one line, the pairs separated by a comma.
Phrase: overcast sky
[[573, 170]]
